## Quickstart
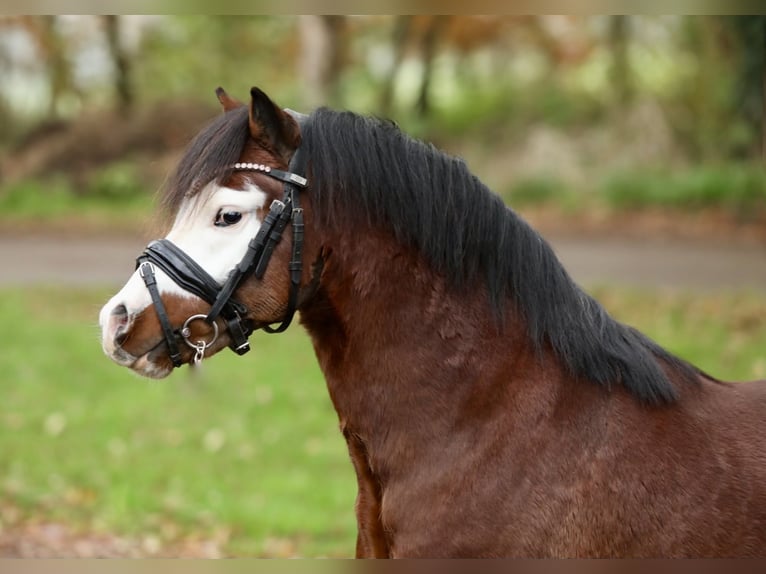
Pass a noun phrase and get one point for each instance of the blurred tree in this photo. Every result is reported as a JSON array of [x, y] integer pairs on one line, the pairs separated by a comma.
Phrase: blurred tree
[[619, 36], [704, 120], [749, 90], [123, 84], [563, 40], [492, 70], [54, 53], [323, 56], [428, 44], [6, 117], [726, 96], [188, 56], [425, 37], [399, 40]]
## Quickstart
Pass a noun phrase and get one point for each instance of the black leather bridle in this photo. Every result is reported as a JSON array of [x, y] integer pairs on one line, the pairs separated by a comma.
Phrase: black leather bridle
[[188, 275]]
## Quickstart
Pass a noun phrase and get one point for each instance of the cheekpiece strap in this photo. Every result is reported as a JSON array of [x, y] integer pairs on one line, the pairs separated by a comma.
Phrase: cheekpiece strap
[[146, 271]]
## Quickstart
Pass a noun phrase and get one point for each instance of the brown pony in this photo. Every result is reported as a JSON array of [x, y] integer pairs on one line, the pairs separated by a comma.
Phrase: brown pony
[[490, 406]]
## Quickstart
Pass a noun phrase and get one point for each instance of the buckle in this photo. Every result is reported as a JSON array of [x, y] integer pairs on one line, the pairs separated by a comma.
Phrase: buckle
[[242, 349], [141, 269]]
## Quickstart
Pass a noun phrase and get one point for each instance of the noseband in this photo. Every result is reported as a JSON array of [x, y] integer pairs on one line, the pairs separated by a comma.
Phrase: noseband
[[190, 276]]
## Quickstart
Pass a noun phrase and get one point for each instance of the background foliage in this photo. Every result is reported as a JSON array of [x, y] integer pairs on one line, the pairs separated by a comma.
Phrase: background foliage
[[574, 115], [571, 99]]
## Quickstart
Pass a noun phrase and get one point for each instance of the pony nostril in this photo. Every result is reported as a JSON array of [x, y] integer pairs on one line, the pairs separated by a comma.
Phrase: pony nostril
[[120, 310], [120, 323]]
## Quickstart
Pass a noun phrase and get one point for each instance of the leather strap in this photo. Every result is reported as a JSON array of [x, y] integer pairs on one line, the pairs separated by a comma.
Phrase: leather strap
[[275, 235], [295, 267], [146, 270], [182, 269], [251, 258]]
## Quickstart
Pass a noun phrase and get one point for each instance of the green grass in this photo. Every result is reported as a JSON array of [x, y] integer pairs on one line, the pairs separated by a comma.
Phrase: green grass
[[723, 334], [113, 199], [540, 190], [247, 452], [738, 188]]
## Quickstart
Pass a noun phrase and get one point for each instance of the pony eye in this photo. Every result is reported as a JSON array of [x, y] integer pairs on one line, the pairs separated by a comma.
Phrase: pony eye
[[226, 218]]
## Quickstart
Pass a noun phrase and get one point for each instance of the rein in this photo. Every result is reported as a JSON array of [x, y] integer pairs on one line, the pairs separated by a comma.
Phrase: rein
[[190, 276]]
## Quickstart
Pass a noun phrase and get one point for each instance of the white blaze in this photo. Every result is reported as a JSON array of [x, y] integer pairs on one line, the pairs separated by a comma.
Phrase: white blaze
[[216, 249]]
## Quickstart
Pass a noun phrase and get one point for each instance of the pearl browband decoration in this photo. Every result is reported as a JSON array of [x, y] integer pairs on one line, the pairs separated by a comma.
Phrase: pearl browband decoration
[[286, 176], [254, 166]]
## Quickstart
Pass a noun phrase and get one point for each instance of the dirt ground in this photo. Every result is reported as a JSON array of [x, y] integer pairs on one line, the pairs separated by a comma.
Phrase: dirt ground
[[649, 257], [54, 540]]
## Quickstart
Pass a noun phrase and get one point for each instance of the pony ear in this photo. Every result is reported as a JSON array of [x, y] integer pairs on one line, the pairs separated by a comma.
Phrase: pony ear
[[270, 125], [227, 101]]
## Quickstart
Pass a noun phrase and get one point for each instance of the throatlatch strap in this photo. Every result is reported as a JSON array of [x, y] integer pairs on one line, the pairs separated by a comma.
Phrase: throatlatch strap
[[296, 260], [146, 270], [274, 236]]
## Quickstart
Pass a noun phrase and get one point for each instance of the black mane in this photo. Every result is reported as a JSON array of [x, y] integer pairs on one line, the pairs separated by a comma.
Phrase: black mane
[[365, 167], [208, 157]]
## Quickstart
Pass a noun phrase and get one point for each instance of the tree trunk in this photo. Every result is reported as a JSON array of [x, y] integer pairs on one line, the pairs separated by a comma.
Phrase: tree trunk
[[123, 86], [619, 32], [763, 91], [322, 57], [401, 34], [428, 51], [57, 68]]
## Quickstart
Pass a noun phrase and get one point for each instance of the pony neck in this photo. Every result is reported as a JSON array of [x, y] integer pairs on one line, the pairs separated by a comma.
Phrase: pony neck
[[398, 346]]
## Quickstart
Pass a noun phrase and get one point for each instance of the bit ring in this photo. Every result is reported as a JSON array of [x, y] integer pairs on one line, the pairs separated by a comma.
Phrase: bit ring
[[186, 333]]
